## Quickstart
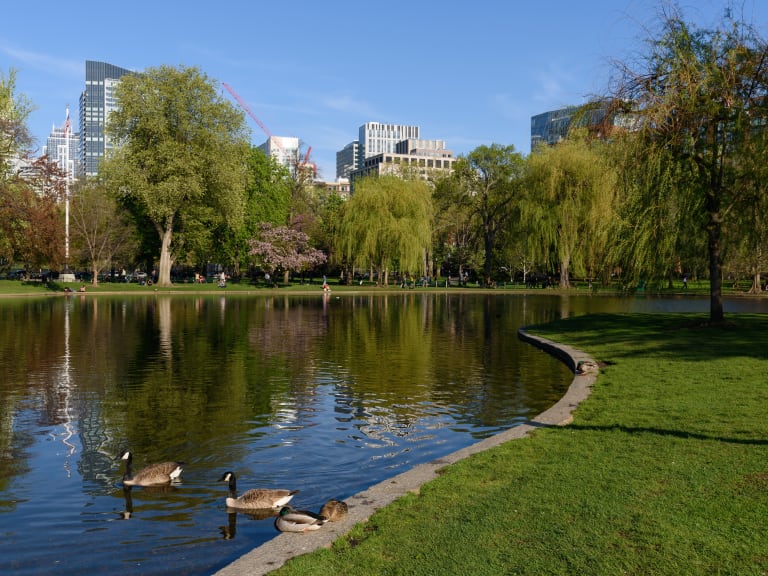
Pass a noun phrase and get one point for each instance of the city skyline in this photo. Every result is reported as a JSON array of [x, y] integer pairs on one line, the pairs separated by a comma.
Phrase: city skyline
[[321, 70]]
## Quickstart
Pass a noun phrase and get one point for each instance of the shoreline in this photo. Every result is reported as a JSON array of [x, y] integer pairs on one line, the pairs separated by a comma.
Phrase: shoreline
[[276, 552]]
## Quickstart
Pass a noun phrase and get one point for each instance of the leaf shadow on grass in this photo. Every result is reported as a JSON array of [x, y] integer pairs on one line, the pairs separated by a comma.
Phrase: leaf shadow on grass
[[688, 337], [664, 432]]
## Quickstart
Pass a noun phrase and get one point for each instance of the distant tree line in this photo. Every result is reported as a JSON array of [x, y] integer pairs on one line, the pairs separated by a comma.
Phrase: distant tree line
[[669, 183]]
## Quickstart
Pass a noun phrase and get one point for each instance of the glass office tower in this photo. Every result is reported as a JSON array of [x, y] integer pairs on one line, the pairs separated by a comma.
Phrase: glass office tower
[[96, 102]]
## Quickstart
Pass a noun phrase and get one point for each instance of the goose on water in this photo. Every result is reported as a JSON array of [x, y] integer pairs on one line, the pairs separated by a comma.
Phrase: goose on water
[[255, 498], [151, 475]]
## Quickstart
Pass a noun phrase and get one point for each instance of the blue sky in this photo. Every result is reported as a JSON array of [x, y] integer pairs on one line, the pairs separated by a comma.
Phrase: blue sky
[[469, 73]]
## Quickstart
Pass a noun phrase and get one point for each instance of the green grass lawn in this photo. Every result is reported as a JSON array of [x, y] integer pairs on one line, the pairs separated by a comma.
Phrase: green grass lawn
[[31, 288], [664, 470]]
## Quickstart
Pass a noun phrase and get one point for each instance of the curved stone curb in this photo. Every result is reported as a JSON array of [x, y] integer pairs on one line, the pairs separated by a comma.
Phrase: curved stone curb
[[273, 554]]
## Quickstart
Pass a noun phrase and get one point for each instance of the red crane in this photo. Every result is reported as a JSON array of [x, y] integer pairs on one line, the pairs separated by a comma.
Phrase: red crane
[[255, 118], [245, 107]]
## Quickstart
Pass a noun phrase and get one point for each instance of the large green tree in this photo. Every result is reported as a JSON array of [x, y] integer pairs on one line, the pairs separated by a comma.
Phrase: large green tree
[[387, 222], [267, 199], [15, 108], [180, 157], [15, 142], [454, 245], [489, 182], [698, 101]]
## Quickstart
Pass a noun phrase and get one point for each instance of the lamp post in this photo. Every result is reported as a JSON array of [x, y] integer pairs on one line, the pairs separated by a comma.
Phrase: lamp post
[[66, 275]]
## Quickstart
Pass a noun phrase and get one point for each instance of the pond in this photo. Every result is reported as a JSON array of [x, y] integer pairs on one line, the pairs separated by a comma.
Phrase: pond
[[324, 394]]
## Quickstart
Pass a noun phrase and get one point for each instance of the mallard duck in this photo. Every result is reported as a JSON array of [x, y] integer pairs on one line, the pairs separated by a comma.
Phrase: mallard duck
[[291, 520], [334, 510], [255, 498], [152, 475]]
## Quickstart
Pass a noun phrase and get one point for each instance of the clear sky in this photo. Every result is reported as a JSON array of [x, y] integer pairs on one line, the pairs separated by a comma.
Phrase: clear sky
[[469, 73]]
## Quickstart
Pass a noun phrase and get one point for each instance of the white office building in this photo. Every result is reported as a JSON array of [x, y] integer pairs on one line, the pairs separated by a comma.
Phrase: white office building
[[379, 138], [62, 147], [284, 149]]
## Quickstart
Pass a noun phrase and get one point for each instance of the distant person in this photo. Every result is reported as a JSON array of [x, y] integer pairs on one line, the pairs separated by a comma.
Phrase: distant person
[[685, 281]]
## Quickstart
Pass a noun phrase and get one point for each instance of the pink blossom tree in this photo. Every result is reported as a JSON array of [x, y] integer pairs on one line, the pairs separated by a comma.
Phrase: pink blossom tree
[[283, 249]]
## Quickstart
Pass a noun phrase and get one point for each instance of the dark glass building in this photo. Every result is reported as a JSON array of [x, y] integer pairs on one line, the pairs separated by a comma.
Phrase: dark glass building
[[96, 102], [552, 127]]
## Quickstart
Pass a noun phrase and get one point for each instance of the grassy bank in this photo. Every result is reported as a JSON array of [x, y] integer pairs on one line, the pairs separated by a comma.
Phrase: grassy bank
[[663, 471], [33, 288]]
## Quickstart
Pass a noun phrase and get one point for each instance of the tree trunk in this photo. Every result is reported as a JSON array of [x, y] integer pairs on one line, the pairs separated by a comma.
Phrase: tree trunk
[[565, 281], [489, 242], [715, 269], [166, 261], [95, 272]]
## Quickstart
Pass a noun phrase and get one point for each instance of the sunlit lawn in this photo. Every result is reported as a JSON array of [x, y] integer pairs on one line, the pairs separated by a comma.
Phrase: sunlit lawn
[[664, 470], [11, 287]]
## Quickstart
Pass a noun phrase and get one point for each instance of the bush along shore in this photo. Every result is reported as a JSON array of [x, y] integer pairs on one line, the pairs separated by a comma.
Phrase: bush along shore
[[664, 470]]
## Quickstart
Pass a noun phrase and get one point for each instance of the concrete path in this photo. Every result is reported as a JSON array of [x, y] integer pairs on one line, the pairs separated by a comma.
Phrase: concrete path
[[273, 554]]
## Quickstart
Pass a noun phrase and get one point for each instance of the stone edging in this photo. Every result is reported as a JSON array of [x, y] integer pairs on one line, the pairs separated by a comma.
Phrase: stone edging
[[273, 554]]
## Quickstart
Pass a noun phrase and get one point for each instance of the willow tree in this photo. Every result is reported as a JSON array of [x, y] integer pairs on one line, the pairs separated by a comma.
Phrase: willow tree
[[489, 183], [180, 155], [696, 103], [570, 201], [750, 225], [387, 222]]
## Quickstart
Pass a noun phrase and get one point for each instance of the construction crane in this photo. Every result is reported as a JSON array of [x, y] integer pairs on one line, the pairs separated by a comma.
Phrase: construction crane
[[272, 139], [245, 107]]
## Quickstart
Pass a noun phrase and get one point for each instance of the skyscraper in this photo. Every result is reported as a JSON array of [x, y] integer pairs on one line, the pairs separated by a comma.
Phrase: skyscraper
[[96, 102]]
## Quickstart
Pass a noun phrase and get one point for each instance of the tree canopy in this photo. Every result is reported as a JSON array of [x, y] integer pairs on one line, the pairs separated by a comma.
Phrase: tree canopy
[[279, 248], [573, 201], [697, 103], [489, 180], [100, 227], [387, 222], [180, 155]]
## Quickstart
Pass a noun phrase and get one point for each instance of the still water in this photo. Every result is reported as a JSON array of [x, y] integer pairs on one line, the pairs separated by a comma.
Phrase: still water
[[325, 394]]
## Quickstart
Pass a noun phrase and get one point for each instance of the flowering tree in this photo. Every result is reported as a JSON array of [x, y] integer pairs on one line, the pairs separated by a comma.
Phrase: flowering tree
[[279, 248]]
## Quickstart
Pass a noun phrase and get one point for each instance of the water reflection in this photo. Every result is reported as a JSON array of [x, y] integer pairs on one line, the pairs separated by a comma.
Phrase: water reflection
[[326, 394]]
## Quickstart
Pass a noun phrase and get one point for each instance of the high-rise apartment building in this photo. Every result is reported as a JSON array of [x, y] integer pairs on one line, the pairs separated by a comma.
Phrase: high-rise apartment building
[[96, 102], [62, 147]]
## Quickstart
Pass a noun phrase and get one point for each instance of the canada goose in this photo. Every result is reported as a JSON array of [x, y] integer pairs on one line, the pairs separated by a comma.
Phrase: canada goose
[[290, 520], [334, 510], [255, 497], [152, 475]]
